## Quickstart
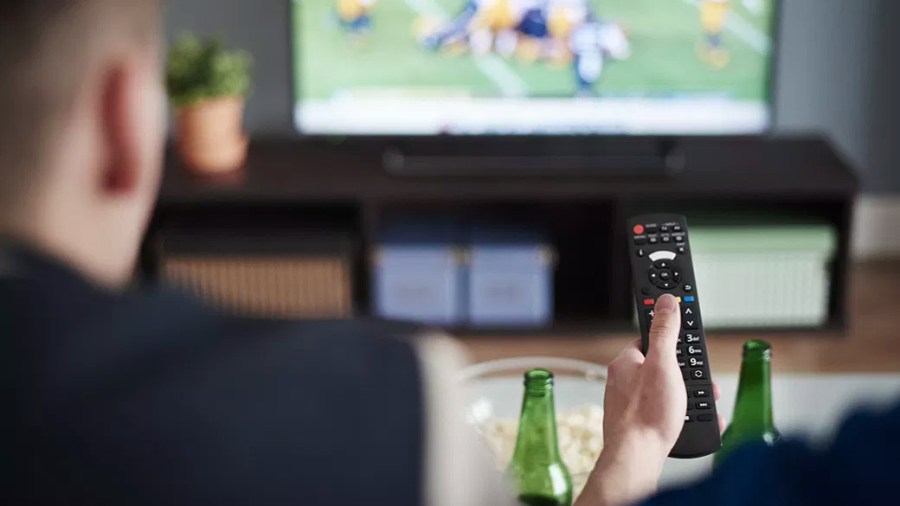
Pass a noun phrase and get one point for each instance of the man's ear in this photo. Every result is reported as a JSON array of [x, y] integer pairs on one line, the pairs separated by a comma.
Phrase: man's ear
[[120, 129]]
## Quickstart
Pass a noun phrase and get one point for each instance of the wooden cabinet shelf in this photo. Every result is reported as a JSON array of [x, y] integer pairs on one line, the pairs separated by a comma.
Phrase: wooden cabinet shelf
[[293, 184]]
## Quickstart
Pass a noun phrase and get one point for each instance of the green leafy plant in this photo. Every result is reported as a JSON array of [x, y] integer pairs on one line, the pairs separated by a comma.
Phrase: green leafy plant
[[200, 70]]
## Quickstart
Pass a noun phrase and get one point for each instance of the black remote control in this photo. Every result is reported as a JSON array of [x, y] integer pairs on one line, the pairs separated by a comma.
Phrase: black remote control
[[661, 263]]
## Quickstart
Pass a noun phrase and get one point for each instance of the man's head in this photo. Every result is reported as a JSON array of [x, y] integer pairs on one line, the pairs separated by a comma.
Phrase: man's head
[[81, 128]]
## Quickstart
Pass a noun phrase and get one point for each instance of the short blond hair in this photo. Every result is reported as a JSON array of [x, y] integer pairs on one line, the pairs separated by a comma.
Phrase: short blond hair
[[46, 49]]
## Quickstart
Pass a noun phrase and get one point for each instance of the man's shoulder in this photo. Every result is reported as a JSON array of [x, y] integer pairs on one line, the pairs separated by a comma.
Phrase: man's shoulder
[[192, 336], [233, 411]]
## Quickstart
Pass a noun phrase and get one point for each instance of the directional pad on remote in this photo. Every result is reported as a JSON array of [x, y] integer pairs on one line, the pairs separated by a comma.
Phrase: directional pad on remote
[[663, 264]]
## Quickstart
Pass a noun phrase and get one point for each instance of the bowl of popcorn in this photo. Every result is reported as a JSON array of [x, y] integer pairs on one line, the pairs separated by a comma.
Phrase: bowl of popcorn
[[495, 398]]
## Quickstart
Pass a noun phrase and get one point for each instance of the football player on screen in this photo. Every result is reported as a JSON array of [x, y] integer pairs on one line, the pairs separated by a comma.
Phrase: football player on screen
[[484, 25], [534, 33], [564, 18], [713, 16], [595, 43], [434, 33], [546, 29], [355, 16]]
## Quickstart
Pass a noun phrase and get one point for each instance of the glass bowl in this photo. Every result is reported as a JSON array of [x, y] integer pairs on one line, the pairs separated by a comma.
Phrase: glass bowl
[[495, 391]]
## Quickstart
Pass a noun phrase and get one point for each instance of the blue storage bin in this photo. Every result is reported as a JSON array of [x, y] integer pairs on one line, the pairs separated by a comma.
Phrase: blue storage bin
[[510, 277], [419, 273]]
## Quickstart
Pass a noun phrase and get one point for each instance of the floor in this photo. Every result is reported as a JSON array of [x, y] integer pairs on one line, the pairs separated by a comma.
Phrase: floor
[[870, 345]]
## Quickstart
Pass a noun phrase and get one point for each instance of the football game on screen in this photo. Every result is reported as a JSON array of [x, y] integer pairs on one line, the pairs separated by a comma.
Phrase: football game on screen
[[423, 67]]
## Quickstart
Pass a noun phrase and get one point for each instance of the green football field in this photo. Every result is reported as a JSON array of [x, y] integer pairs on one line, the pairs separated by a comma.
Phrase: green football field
[[664, 36]]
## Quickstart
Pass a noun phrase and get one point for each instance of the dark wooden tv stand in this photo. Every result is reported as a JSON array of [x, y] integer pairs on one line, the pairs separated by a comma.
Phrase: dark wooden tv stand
[[296, 180]]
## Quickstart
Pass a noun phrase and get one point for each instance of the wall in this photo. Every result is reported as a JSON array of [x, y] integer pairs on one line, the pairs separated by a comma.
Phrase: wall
[[838, 71], [259, 26]]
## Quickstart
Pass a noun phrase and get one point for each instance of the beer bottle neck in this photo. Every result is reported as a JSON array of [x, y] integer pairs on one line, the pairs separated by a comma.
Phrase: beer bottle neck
[[537, 439], [753, 408]]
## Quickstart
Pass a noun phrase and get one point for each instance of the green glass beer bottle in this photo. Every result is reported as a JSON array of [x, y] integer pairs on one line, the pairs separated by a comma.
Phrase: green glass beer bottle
[[752, 420], [536, 468]]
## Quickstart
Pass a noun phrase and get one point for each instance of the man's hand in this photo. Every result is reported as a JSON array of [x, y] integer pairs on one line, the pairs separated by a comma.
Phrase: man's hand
[[645, 397], [643, 415]]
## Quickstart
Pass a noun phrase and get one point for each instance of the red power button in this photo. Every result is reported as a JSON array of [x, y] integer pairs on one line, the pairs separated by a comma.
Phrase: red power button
[[638, 229]]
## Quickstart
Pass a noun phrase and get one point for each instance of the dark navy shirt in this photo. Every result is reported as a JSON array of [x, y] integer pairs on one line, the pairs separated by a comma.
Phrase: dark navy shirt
[[146, 397], [861, 466]]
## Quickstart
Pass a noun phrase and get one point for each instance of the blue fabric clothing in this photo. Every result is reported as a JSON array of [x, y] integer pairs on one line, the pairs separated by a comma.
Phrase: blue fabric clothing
[[861, 466], [147, 397]]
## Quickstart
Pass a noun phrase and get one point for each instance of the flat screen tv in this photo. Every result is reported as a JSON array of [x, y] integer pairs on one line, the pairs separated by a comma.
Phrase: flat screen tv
[[532, 67]]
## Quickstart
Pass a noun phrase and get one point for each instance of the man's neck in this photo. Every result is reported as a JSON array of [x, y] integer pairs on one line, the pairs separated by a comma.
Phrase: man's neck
[[67, 252]]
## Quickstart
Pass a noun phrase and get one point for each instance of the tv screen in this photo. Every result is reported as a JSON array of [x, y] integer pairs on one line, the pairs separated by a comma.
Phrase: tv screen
[[532, 67]]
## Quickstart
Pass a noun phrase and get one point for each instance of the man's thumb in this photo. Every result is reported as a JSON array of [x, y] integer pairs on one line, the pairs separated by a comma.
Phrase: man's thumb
[[665, 328]]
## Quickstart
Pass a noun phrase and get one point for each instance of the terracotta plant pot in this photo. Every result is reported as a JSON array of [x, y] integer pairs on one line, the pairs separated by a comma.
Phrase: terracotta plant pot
[[211, 138]]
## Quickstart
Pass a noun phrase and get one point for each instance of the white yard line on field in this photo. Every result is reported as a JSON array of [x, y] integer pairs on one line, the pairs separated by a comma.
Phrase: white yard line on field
[[506, 78], [491, 65]]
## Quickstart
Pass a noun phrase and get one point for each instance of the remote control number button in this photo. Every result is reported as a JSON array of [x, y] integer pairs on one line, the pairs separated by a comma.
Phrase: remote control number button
[[696, 362], [694, 350], [692, 338]]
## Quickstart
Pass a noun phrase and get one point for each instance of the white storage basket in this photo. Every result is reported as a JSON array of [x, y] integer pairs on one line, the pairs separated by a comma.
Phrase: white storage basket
[[763, 276]]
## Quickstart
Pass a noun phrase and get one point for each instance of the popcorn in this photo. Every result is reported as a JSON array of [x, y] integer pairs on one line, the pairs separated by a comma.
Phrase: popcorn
[[579, 432]]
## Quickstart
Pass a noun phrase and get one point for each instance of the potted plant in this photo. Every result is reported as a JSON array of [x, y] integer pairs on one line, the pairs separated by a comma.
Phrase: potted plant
[[208, 85]]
